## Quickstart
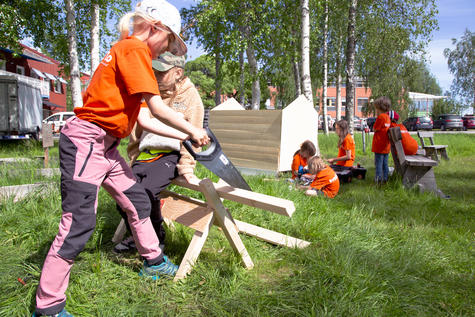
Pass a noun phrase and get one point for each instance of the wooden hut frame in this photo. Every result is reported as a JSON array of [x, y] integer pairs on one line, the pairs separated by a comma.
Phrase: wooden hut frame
[[265, 140]]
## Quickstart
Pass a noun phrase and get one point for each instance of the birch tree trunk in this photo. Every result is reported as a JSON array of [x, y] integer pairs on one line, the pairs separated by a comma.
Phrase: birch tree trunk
[[338, 97], [241, 81], [297, 79], [338, 80], [350, 65], [217, 82], [95, 11], [325, 69], [256, 88], [306, 80], [73, 55]]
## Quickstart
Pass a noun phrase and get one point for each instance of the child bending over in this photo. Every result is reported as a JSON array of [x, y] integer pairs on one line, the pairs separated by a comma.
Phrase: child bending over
[[299, 162], [326, 181], [409, 144]]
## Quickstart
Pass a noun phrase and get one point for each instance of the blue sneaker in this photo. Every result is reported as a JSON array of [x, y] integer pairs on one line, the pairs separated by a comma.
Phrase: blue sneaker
[[62, 313], [154, 271]]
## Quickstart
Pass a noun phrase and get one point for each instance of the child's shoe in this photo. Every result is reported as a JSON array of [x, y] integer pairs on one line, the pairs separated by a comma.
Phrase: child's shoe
[[62, 313], [154, 271], [126, 245]]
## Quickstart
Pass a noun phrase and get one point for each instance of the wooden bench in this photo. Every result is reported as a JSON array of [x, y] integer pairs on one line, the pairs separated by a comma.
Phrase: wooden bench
[[202, 215], [416, 170], [432, 150]]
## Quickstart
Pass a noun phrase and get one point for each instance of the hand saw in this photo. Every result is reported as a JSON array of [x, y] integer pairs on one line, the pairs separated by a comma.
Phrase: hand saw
[[214, 159]]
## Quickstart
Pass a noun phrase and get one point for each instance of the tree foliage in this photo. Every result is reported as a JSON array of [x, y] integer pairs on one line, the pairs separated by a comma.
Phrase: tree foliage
[[461, 61], [11, 27]]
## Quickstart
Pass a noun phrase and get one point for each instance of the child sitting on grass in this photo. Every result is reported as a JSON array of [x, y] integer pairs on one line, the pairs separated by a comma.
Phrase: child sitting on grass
[[326, 181], [346, 147], [299, 162]]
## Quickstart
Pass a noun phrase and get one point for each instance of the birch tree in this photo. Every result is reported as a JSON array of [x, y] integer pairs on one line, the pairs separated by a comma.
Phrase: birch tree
[[461, 62], [306, 80], [95, 14], [350, 64], [73, 57], [325, 68]]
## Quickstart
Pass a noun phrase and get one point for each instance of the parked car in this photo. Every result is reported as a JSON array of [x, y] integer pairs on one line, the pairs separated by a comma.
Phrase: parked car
[[448, 121], [468, 122], [330, 120], [370, 122], [58, 120], [418, 123], [358, 124]]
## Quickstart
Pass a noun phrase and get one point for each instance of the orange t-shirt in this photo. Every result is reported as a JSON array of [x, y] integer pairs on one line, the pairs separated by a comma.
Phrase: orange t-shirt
[[409, 144], [327, 181], [296, 162], [380, 138], [112, 100], [347, 145]]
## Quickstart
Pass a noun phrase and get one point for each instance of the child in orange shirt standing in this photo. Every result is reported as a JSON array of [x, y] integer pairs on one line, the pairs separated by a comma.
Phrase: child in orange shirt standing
[[381, 146], [346, 147], [88, 152], [299, 162], [409, 144], [326, 181]]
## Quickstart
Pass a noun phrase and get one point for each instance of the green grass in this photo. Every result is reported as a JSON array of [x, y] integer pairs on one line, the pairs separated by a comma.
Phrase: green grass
[[374, 252]]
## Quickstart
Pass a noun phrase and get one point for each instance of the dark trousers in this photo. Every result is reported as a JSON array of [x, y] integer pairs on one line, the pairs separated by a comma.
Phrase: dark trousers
[[154, 177]]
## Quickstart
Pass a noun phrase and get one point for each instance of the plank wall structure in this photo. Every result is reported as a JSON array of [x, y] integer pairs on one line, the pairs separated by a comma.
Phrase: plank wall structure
[[265, 140]]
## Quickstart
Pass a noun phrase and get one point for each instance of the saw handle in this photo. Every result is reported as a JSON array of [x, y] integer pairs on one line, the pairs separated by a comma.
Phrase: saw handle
[[207, 155]]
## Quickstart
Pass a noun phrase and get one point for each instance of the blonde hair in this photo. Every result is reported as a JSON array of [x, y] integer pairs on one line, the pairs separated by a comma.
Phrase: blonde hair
[[316, 164], [140, 22]]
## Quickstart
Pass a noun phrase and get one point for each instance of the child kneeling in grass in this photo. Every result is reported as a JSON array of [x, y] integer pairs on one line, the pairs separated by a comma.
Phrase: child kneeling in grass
[[326, 181]]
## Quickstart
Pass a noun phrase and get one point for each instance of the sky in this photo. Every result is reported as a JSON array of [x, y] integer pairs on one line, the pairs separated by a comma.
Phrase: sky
[[454, 17]]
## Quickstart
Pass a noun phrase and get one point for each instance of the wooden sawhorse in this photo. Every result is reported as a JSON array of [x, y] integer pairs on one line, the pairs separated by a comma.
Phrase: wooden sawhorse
[[200, 216]]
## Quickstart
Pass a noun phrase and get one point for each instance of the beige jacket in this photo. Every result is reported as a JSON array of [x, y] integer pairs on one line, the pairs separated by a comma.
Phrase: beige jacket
[[187, 101]]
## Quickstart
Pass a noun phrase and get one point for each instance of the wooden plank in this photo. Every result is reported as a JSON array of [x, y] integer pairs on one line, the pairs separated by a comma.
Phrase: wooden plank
[[250, 119], [245, 163], [47, 135], [192, 252], [225, 221], [189, 214], [119, 232], [247, 136], [270, 236], [257, 129], [18, 192], [275, 204], [233, 152], [244, 115], [236, 148]]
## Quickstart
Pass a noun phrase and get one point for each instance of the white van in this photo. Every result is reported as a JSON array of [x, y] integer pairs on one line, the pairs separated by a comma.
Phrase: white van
[[58, 120]]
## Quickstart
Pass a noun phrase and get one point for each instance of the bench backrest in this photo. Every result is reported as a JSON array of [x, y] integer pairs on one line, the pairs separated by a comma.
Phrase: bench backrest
[[426, 134], [397, 151]]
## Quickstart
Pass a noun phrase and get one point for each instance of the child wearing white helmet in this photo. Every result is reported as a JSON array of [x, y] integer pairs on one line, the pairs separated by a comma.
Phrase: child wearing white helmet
[[88, 149]]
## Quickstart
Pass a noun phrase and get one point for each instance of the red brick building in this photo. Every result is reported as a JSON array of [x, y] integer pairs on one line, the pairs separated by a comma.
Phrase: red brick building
[[361, 98], [34, 64]]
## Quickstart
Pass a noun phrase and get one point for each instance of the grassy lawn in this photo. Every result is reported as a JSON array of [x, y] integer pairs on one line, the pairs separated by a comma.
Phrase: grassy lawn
[[375, 251]]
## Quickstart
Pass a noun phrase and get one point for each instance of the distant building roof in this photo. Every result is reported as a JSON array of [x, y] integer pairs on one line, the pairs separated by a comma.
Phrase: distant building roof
[[419, 95], [28, 55]]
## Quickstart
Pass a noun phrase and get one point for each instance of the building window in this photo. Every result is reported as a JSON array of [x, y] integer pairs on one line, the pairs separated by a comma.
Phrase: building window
[[331, 101], [3, 64], [20, 70], [362, 103], [58, 87]]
